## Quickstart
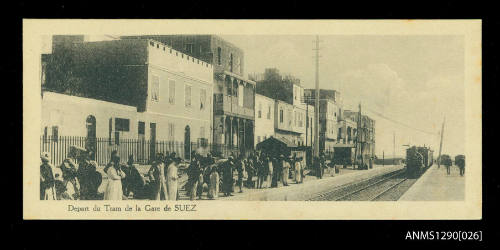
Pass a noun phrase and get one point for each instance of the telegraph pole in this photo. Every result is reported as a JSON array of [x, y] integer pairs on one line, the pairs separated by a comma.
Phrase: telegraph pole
[[358, 139], [441, 143], [394, 148], [316, 103]]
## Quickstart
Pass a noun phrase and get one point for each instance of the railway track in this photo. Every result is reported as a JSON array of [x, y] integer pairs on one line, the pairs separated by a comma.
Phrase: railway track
[[388, 187]]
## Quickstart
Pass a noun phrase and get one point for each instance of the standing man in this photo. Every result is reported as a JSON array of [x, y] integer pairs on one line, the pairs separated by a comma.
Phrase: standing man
[[227, 177], [157, 177], [286, 170], [240, 168], [317, 167], [47, 181], [460, 162], [194, 172], [275, 173]]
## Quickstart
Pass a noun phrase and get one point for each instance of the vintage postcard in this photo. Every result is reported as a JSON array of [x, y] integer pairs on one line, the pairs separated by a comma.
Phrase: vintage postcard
[[252, 119]]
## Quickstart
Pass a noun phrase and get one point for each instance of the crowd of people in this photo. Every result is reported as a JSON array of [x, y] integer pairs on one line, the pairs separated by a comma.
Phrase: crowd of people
[[77, 177], [70, 181], [257, 171]]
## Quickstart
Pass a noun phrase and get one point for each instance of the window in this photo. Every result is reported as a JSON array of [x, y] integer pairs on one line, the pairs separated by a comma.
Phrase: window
[[259, 113], [203, 97], [171, 92], [141, 128], [295, 118], [155, 89], [268, 112], [258, 139], [281, 115], [122, 124], [219, 53], [55, 133], [187, 96], [231, 62], [189, 48]]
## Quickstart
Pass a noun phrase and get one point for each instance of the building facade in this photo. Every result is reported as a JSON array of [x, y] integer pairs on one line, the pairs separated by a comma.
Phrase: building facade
[[366, 131], [264, 118], [129, 89], [234, 95], [330, 118]]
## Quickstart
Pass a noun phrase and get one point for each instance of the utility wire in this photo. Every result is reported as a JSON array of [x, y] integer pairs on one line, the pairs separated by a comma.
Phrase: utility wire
[[400, 123]]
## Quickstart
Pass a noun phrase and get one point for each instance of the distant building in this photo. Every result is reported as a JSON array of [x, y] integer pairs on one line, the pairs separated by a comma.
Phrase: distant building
[[330, 119], [293, 117], [234, 95], [367, 132], [127, 89]]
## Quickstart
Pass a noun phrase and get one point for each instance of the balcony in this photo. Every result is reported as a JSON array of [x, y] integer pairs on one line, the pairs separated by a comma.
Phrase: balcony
[[228, 105]]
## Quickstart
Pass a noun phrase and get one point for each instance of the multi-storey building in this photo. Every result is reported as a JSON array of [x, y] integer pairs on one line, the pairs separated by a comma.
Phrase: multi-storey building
[[293, 116], [127, 89], [366, 129], [330, 118], [234, 95], [264, 118]]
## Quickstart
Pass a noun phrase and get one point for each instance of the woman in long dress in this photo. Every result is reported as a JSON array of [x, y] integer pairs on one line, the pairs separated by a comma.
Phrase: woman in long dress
[[172, 178], [285, 172], [269, 172], [213, 189], [297, 169], [114, 189]]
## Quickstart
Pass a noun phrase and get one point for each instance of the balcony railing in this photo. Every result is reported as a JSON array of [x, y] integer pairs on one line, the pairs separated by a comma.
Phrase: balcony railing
[[225, 104]]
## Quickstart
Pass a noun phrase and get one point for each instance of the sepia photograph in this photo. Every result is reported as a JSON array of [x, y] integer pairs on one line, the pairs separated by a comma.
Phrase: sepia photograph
[[208, 119]]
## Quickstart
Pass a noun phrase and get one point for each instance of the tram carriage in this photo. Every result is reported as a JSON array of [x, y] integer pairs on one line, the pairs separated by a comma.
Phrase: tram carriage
[[418, 159]]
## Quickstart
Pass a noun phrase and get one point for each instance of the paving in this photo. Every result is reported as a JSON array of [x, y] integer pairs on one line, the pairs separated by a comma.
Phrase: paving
[[311, 186], [304, 191], [436, 185]]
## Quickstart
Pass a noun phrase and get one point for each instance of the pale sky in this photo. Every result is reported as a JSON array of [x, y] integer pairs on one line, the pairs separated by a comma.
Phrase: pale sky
[[414, 80]]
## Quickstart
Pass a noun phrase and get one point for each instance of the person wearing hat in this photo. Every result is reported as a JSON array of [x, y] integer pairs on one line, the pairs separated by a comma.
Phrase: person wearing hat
[[194, 172], [47, 181], [83, 174], [227, 177], [114, 189], [157, 179], [172, 178], [69, 175]]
